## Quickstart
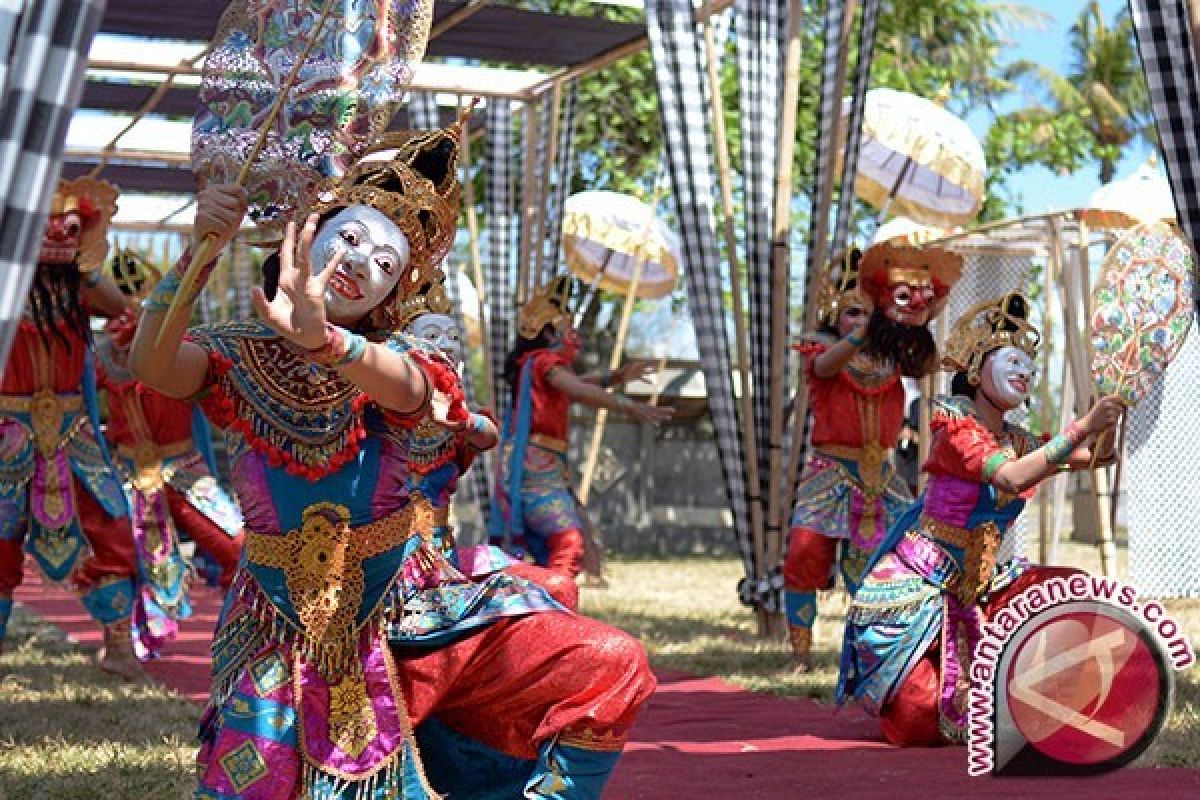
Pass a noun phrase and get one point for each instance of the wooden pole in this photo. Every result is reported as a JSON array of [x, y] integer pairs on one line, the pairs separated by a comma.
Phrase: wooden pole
[[476, 259], [741, 338], [1044, 500], [548, 170], [1060, 481], [1099, 482], [1076, 352]]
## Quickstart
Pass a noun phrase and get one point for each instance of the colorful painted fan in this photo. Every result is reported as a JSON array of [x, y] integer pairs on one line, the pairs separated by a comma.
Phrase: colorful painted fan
[[1143, 306], [293, 92]]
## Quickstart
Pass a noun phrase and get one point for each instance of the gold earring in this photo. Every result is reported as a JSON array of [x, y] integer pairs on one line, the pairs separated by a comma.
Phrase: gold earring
[[973, 376]]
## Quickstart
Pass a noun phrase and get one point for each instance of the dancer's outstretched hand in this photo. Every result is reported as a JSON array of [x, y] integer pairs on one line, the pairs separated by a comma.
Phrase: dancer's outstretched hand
[[439, 411], [297, 312]]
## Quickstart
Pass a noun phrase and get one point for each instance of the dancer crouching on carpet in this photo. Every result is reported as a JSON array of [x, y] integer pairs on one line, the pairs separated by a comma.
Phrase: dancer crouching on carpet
[[318, 397], [913, 624], [875, 309], [534, 508]]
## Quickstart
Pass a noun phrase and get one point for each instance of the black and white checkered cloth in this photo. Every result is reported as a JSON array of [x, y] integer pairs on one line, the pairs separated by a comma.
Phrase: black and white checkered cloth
[[560, 184], [759, 26], [1164, 35], [43, 55], [423, 111], [502, 160], [684, 98]]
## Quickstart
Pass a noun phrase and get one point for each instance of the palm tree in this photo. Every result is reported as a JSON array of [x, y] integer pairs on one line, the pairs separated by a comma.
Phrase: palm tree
[[1104, 86]]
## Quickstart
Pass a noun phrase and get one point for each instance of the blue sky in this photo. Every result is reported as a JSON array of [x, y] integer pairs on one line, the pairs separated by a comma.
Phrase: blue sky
[[1041, 189]]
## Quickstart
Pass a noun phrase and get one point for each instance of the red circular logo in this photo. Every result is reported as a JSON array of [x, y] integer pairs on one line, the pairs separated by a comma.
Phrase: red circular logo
[[1086, 687]]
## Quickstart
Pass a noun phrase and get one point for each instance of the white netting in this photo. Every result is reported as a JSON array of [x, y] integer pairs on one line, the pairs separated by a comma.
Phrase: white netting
[[1162, 503], [987, 276]]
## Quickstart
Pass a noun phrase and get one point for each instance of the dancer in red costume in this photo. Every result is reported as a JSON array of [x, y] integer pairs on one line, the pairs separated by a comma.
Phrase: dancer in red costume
[[874, 309], [534, 509], [58, 497], [317, 397], [913, 625], [160, 445]]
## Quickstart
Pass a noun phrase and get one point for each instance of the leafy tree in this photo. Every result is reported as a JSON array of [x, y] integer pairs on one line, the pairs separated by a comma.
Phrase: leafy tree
[[1096, 110]]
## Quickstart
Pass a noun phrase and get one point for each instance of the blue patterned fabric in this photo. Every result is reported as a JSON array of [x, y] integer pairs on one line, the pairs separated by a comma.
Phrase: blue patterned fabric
[[801, 608], [570, 773], [110, 602]]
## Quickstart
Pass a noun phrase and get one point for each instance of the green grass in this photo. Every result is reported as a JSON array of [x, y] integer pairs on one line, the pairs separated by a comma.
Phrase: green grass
[[70, 732]]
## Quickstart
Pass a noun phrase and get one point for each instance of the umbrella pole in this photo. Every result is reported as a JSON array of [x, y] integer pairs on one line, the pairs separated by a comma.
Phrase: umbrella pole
[[758, 534], [614, 361], [883, 210], [476, 259], [1079, 371]]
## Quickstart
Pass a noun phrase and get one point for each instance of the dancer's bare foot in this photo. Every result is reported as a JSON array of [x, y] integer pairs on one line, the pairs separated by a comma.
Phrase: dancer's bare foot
[[801, 641]]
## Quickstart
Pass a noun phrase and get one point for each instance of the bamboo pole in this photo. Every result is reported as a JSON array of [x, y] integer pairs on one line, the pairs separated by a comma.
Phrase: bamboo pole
[[547, 171], [741, 338], [1060, 481], [1044, 526], [1099, 482], [476, 259], [821, 209], [1080, 371]]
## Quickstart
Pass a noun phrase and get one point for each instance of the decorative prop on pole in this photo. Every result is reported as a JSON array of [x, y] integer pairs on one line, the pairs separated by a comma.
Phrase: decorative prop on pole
[[291, 96], [1143, 309], [618, 243]]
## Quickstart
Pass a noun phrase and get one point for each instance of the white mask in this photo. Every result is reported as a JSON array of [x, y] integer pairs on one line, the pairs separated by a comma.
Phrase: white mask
[[375, 255], [1011, 372], [440, 331]]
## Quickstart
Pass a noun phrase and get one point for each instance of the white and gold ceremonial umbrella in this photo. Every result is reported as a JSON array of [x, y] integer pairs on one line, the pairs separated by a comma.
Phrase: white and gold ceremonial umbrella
[[606, 234], [918, 160], [1145, 196]]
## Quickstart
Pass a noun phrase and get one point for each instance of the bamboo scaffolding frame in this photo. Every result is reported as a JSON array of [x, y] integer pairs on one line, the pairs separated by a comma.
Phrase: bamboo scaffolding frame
[[1044, 502], [555, 107], [456, 18]]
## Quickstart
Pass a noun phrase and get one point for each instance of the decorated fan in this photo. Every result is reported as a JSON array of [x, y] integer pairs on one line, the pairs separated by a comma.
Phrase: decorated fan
[[1143, 307], [293, 92]]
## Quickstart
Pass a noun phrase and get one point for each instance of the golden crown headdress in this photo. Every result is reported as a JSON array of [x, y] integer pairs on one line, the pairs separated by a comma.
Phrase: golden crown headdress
[[412, 178], [549, 305], [96, 203], [133, 274], [839, 287], [429, 298], [986, 326]]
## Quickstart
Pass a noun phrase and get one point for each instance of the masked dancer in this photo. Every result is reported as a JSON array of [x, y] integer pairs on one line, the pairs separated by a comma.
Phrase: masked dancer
[[58, 496], [875, 309], [534, 509], [317, 397], [913, 624]]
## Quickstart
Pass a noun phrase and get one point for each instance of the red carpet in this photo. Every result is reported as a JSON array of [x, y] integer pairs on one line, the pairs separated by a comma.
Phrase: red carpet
[[702, 739]]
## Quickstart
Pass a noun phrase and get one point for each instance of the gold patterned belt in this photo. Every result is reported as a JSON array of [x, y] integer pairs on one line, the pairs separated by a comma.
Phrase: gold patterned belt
[[26, 404], [322, 562], [137, 452], [871, 460], [548, 443], [979, 547]]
